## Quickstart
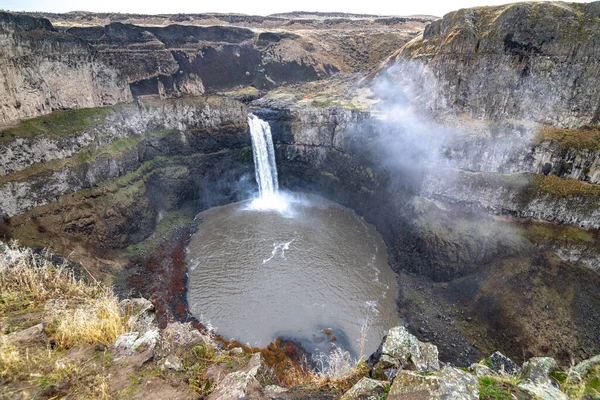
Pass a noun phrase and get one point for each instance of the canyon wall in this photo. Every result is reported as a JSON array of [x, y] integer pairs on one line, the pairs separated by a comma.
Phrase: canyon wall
[[534, 61], [42, 70]]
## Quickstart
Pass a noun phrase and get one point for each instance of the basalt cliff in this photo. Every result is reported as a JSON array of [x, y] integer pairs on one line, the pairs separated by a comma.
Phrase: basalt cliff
[[471, 142]]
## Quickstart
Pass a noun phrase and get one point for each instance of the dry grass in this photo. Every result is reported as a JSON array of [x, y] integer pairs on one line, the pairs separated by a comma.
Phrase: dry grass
[[578, 139], [96, 321], [77, 312], [577, 386], [565, 187], [10, 359]]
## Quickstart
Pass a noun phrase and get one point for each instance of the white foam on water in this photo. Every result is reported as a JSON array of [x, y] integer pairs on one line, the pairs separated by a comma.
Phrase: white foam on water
[[279, 246]]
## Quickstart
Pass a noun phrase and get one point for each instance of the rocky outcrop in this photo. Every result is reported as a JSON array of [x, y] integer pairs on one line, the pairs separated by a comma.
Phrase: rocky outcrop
[[536, 61], [401, 350], [238, 384], [448, 383], [522, 195], [115, 142], [45, 70]]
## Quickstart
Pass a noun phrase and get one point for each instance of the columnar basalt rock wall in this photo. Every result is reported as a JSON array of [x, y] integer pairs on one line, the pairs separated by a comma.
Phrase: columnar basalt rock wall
[[42, 70]]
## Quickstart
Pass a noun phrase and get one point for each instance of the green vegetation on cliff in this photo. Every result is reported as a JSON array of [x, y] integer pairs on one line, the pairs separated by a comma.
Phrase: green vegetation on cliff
[[578, 139], [544, 232], [115, 150], [61, 123], [563, 187]]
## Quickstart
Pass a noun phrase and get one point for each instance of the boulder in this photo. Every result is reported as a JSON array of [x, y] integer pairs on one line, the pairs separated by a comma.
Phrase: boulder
[[448, 383], [582, 368], [239, 384], [132, 347], [537, 370], [32, 335], [502, 364], [141, 314], [364, 389], [124, 344], [402, 350], [542, 391]]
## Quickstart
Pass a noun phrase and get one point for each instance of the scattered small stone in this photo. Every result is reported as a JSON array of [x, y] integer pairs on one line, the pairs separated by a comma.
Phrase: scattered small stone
[[327, 331], [173, 362], [100, 347], [448, 383], [481, 370], [273, 390]]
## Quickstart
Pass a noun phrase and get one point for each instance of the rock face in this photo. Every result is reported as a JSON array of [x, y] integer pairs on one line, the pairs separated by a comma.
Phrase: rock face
[[118, 141], [536, 61], [179, 59], [45, 70]]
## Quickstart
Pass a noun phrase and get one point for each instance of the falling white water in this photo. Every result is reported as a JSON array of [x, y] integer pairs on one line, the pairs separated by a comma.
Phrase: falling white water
[[265, 168]]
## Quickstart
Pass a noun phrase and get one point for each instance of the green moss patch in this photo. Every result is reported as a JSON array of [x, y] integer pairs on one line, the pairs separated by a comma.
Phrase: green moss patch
[[114, 150], [500, 388], [62, 123], [540, 232]]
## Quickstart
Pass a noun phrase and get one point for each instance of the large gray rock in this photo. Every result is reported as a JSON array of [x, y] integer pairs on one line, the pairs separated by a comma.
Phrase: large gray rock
[[135, 348], [582, 368], [448, 383], [366, 388], [178, 335], [537, 370], [237, 385], [402, 350], [543, 391]]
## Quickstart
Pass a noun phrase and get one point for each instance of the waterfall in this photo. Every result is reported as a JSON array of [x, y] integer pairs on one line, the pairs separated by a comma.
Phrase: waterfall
[[265, 167]]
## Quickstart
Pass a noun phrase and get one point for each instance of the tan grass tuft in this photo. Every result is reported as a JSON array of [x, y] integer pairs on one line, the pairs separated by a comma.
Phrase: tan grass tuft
[[77, 312]]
